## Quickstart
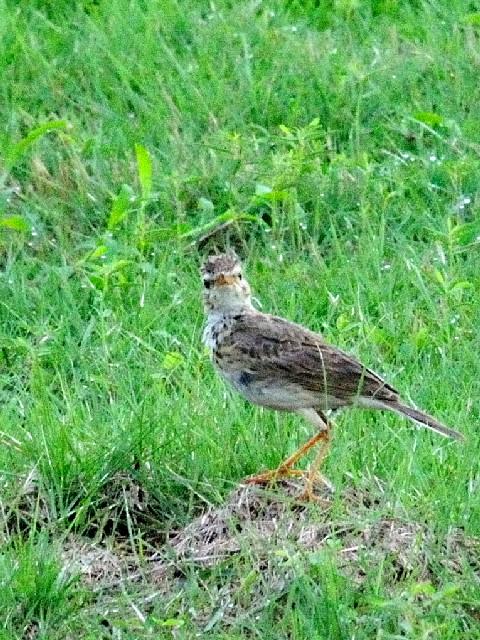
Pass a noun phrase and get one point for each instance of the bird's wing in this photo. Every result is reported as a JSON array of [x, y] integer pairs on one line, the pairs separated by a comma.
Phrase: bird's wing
[[270, 347]]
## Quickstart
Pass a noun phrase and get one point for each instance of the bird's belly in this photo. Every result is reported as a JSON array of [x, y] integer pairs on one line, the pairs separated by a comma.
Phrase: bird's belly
[[283, 396]]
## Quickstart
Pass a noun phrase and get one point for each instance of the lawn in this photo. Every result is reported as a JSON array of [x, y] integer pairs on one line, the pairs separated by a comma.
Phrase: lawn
[[335, 145]]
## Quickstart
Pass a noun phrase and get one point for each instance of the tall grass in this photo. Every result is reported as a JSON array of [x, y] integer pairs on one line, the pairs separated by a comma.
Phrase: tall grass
[[335, 145]]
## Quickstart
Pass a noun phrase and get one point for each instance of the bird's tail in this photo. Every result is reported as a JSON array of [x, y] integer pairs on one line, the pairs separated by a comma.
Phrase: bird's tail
[[423, 419]]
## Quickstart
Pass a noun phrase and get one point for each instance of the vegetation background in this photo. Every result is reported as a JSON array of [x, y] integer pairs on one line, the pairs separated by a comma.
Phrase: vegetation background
[[336, 145]]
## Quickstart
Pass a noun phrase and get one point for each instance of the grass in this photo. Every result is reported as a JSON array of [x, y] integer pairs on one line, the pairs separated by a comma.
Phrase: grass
[[336, 146]]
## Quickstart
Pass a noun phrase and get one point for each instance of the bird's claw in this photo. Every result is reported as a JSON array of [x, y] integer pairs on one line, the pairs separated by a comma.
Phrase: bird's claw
[[307, 494]]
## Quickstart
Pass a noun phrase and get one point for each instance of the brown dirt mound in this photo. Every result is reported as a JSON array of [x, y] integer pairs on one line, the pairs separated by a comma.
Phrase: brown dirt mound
[[268, 525], [254, 518]]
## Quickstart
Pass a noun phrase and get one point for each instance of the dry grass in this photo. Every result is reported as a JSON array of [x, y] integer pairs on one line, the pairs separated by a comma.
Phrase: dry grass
[[245, 554], [268, 525]]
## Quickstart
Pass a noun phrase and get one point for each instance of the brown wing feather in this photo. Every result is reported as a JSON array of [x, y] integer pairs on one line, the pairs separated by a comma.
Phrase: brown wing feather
[[271, 344]]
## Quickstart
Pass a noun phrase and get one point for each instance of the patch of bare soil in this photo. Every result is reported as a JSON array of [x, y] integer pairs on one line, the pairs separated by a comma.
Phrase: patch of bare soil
[[268, 526], [95, 563], [262, 537], [253, 519]]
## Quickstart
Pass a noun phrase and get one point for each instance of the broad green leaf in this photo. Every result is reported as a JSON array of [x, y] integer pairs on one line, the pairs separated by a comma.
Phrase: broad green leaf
[[173, 622], [270, 197], [144, 164], [120, 207], [97, 252], [439, 277], [422, 588], [343, 321], [97, 281], [172, 360], [473, 19], [15, 222], [431, 119], [18, 148], [460, 285], [466, 234]]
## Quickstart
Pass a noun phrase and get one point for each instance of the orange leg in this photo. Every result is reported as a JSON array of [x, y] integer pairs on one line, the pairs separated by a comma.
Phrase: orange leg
[[313, 474], [285, 469]]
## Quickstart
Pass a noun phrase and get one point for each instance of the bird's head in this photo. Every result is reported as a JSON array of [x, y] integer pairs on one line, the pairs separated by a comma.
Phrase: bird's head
[[225, 289]]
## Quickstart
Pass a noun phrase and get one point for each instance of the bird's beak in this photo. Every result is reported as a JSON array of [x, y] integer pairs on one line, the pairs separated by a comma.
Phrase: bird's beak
[[225, 280]]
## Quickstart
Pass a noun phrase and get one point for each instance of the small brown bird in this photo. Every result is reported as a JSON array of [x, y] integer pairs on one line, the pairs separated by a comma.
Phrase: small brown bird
[[281, 365]]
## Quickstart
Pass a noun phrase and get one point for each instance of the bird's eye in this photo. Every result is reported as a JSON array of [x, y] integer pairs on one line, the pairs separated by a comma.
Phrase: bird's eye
[[239, 276], [207, 284]]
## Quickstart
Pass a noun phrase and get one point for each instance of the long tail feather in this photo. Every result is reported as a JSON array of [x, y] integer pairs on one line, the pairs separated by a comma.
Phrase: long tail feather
[[424, 420]]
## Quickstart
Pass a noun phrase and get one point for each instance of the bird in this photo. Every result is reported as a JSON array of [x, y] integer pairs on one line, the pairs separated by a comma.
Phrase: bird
[[281, 365]]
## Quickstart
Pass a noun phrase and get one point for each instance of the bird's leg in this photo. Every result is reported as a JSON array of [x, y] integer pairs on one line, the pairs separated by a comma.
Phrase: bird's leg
[[285, 469], [313, 473]]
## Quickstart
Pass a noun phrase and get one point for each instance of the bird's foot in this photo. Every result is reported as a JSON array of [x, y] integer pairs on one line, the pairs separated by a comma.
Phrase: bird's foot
[[271, 476], [312, 478], [308, 494]]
